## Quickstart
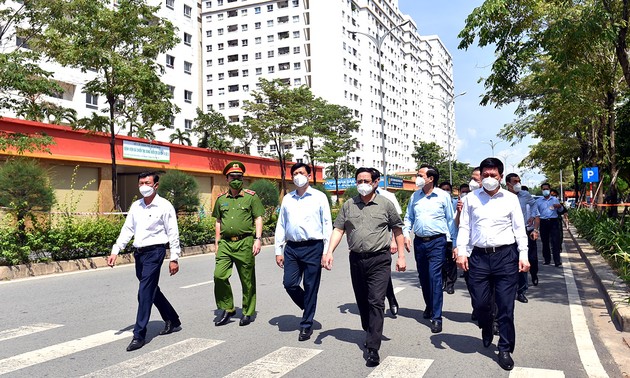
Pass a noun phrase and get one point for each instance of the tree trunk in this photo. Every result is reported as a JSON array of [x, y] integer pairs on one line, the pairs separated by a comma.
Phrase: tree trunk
[[336, 181], [612, 153], [112, 149], [311, 144]]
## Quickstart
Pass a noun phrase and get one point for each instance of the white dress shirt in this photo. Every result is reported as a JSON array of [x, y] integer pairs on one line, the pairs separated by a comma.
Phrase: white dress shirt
[[303, 218], [149, 225], [491, 222]]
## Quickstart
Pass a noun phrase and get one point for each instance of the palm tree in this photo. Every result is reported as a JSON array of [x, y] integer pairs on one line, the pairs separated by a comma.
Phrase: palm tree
[[182, 137]]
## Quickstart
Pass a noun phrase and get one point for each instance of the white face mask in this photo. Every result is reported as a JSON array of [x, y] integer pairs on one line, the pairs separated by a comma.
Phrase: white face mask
[[516, 187], [546, 193], [462, 195], [300, 180], [473, 185], [420, 183], [146, 191], [365, 189], [490, 183]]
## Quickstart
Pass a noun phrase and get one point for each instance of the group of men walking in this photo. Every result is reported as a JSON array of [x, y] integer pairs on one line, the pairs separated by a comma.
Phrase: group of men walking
[[484, 233]]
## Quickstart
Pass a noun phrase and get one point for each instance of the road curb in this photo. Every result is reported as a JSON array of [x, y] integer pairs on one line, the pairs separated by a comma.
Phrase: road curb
[[15, 272], [614, 289]]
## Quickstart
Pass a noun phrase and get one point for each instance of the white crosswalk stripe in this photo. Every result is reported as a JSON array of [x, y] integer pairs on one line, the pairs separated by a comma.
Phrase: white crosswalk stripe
[[26, 330], [398, 289], [276, 364], [154, 360], [52, 352], [523, 372], [197, 284], [393, 366]]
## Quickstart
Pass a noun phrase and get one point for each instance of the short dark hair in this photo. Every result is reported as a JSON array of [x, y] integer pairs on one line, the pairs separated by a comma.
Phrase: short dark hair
[[443, 183], [545, 183], [491, 162], [553, 191], [368, 170], [300, 165], [156, 177], [509, 177], [525, 188], [378, 173], [432, 172], [476, 169], [464, 186]]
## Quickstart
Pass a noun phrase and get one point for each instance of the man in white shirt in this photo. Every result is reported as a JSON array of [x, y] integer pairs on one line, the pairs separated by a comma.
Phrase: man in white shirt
[[152, 222], [303, 231], [492, 222]]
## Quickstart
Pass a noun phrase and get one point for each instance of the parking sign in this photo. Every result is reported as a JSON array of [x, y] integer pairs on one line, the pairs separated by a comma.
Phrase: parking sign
[[590, 174]]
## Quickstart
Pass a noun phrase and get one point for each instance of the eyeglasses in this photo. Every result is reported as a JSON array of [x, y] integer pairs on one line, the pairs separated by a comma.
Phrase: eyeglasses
[[364, 181], [235, 176]]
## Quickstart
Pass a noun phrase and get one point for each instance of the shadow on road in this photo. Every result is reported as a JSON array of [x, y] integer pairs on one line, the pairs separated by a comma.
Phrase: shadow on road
[[290, 323]]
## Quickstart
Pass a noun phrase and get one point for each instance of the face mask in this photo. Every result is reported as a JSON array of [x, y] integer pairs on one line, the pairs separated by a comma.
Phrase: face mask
[[420, 183], [146, 190], [490, 183], [462, 195], [473, 185], [546, 193], [365, 189], [516, 187], [300, 180], [236, 184]]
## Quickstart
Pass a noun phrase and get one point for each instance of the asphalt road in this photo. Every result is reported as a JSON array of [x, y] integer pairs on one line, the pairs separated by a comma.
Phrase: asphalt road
[[80, 324]]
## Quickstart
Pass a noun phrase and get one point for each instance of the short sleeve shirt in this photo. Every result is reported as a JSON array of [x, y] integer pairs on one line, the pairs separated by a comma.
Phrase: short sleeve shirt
[[237, 214], [368, 226]]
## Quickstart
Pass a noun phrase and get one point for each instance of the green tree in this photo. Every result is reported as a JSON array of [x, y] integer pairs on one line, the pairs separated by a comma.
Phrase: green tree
[[214, 131], [428, 153], [273, 116], [25, 142], [267, 191], [120, 44], [181, 137], [181, 190], [24, 189]]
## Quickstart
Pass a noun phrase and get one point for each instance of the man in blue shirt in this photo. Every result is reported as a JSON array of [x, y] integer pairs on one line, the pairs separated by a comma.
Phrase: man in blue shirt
[[549, 209], [303, 231], [430, 218]]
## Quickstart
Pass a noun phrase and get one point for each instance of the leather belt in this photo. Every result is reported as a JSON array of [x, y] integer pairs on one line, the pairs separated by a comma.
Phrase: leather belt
[[492, 249], [367, 255], [303, 242], [238, 237], [151, 247], [429, 238]]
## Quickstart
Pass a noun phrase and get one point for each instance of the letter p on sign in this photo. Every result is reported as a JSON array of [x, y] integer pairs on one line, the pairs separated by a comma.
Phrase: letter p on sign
[[590, 174]]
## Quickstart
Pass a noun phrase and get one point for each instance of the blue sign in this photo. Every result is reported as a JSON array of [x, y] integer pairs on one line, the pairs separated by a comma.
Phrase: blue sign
[[590, 174], [394, 182], [344, 183]]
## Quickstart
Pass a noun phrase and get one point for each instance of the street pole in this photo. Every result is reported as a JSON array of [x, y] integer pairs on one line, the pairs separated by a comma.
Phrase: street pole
[[491, 144], [447, 105], [378, 41]]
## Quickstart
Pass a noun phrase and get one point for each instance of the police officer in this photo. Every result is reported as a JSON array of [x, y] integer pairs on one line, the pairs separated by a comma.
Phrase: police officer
[[238, 231]]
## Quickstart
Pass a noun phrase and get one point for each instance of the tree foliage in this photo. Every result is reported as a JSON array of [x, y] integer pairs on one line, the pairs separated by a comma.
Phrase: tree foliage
[[21, 142], [214, 132], [267, 191], [181, 190]]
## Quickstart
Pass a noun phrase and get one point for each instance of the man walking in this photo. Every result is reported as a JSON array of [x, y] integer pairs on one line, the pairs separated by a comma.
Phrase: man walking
[[303, 231], [549, 209], [152, 223], [238, 231], [513, 184], [449, 269], [492, 222], [430, 217], [368, 219]]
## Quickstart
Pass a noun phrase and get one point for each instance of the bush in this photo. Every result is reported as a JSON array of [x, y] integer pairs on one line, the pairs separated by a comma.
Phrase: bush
[[403, 197], [267, 191], [181, 190], [196, 230], [350, 192], [76, 238]]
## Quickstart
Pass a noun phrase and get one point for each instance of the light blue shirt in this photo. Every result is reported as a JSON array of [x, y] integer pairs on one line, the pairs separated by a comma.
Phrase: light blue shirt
[[430, 215], [303, 218], [525, 198], [545, 207]]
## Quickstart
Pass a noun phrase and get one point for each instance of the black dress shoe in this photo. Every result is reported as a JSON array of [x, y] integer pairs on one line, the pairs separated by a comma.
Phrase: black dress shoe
[[522, 298], [426, 314], [225, 318], [495, 328], [558, 264], [535, 281], [170, 326], [450, 290], [393, 309], [305, 333], [486, 337], [245, 320], [436, 326], [373, 359], [505, 361], [135, 344], [546, 263]]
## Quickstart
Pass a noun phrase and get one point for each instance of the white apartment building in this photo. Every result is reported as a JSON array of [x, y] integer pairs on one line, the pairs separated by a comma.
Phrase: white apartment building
[[227, 45]]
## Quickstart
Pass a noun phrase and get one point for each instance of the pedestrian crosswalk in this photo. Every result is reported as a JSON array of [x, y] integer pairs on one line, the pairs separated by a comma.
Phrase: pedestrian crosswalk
[[276, 363]]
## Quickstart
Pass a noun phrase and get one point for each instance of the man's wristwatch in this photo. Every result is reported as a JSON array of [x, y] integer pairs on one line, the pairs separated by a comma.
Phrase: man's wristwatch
[[535, 229], [257, 237]]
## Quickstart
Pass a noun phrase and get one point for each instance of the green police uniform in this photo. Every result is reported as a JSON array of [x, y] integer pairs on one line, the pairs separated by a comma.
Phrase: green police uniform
[[236, 215]]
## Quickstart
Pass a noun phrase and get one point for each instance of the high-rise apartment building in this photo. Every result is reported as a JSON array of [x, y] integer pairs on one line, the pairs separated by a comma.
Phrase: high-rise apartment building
[[227, 45]]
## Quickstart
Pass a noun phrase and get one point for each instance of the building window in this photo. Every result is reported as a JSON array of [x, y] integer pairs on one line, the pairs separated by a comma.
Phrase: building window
[[187, 11], [208, 33], [258, 71], [244, 42], [233, 103], [170, 4], [170, 61], [209, 63], [283, 20], [188, 124], [243, 12], [284, 66], [271, 69], [209, 48], [257, 25], [244, 27], [258, 40], [232, 13], [187, 39], [283, 35], [258, 55], [208, 4], [296, 19], [220, 46], [232, 28], [270, 8], [270, 38], [270, 54], [296, 34], [297, 82], [233, 58], [209, 77], [91, 101], [261, 149], [172, 121], [233, 88], [233, 73], [272, 148], [233, 43], [172, 90], [219, 2], [283, 50], [283, 4], [244, 57], [221, 61], [297, 66], [209, 18], [187, 67], [296, 3], [222, 106], [257, 10], [209, 92], [220, 31], [209, 108], [245, 73], [221, 76], [296, 50], [221, 91], [269, 23], [220, 16], [233, 119], [187, 96]]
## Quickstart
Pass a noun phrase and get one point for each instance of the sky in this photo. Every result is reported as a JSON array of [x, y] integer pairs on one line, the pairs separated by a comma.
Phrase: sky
[[476, 125]]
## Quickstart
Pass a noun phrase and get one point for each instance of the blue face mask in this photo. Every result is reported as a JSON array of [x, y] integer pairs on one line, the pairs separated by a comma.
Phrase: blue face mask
[[546, 193]]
